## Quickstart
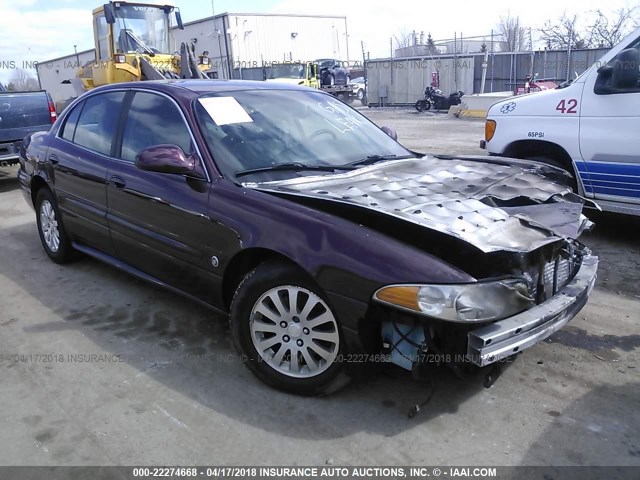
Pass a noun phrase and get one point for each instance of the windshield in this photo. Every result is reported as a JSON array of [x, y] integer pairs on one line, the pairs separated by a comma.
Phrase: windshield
[[289, 70], [138, 27], [263, 128]]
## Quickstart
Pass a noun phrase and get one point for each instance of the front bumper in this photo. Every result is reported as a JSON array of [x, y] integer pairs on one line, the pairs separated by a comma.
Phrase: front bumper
[[504, 338]]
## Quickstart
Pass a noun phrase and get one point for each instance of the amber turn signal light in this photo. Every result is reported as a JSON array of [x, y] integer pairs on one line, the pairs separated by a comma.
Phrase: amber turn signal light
[[489, 129]]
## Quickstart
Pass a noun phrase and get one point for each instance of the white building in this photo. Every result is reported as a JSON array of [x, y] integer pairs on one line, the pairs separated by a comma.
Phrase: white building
[[239, 41], [235, 42], [51, 73]]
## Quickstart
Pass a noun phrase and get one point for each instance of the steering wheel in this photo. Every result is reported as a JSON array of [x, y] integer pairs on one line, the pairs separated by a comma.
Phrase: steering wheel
[[325, 131]]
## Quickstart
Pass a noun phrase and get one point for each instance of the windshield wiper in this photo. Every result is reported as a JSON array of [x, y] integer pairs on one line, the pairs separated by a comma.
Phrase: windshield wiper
[[296, 166], [140, 43], [370, 159]]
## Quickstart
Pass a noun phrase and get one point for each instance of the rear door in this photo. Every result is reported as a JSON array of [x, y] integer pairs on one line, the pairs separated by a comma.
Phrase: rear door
[[158, 221], [80, 155], [610, 142]]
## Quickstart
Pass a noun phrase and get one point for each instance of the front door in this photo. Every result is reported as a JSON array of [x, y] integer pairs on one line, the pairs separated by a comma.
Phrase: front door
[[610, 141], [158, 220]]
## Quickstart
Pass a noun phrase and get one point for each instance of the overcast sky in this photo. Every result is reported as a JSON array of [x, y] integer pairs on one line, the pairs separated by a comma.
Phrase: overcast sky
[[45, 29]]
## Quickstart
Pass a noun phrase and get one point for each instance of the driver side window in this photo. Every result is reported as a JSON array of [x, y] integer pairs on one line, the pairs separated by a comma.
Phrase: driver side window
[[153, 120], [621, 74]]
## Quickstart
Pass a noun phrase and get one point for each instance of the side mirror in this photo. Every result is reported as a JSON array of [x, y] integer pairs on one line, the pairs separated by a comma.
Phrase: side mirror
[[164, 159], [391, 132], [109, 13]]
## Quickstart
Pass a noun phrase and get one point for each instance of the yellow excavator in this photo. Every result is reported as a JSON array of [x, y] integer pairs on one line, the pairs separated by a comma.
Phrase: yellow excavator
[[133, 42]]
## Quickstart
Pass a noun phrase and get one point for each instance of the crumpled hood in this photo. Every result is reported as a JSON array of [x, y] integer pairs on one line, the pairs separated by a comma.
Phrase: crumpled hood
[[493, 204]]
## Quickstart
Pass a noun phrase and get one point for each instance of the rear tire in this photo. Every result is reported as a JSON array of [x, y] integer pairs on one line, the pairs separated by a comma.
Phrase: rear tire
[[286, 332], [53, 236]]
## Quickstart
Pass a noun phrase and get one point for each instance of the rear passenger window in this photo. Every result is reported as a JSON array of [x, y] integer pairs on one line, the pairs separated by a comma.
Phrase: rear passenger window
[[96, 126], [153, 120], [69, 128]]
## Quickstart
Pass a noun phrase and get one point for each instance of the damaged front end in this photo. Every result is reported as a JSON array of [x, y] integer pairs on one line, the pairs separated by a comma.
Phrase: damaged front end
[[510, 224], [487, 321]]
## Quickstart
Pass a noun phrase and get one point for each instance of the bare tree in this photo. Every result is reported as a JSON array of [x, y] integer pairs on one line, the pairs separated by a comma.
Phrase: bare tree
[[403, 40], [21, 80], [513, 33], [608, 31], [564, 32]]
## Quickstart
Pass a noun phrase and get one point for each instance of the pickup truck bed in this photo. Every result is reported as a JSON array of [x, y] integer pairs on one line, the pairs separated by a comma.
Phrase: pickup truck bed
[[21, 114]]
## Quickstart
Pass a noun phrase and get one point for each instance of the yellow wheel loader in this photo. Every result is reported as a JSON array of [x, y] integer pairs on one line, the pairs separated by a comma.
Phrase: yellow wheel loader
[[133, 42]]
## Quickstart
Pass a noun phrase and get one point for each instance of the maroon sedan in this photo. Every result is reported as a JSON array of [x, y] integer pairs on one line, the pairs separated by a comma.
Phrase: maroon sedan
[[323, 239]]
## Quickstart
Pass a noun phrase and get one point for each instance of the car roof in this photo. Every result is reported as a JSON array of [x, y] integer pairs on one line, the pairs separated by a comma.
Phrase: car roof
[[201, 87]]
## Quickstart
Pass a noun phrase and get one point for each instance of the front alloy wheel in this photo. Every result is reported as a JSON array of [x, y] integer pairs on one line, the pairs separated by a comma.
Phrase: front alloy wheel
[[294, 331], [286, 332]]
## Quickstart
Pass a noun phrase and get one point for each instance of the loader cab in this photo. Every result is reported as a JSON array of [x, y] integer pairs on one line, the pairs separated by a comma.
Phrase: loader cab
[[123, 28], [124, 31]]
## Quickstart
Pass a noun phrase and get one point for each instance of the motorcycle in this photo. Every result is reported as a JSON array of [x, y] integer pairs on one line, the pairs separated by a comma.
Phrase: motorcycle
[[433, 97]]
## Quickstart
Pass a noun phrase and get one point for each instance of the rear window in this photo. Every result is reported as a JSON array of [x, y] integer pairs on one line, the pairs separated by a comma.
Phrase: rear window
[[24, 110]]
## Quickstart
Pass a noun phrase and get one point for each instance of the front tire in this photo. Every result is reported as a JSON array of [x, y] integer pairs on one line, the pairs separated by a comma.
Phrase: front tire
[[53, 236], [284, 328]]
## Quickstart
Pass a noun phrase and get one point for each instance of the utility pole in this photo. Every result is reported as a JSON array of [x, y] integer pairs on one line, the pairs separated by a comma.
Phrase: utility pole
[[492, 60]]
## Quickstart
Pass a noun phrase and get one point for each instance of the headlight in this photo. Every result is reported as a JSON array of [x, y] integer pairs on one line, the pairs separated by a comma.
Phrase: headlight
[[472, 302]]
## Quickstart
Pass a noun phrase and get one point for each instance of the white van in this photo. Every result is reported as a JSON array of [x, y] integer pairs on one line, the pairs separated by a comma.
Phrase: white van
[[590, 127]]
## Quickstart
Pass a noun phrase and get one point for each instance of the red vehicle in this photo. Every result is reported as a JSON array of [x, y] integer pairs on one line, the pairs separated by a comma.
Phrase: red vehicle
[[532, 85]]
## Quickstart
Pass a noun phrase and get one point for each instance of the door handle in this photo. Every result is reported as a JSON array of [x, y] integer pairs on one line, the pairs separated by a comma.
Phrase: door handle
[[117, 181], [53, 158]]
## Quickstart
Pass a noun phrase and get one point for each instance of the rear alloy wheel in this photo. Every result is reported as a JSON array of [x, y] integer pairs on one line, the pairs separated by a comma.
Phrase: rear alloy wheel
[[49, 225], [52, 234], [284, 328]]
